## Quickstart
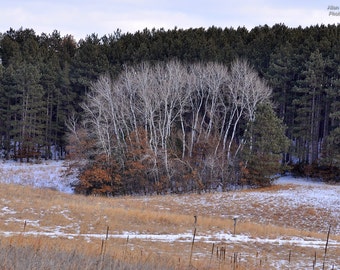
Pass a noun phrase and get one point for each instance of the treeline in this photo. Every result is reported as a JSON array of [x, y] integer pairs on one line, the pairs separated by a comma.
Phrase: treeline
[[44, 78]]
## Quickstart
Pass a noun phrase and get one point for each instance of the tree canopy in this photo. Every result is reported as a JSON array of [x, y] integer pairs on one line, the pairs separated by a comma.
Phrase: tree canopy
[[45, 78]]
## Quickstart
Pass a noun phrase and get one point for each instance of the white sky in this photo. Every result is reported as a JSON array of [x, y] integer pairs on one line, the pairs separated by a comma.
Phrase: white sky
[[84, 17]]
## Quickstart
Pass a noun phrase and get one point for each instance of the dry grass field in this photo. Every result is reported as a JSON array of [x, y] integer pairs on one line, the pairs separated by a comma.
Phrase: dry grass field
[[281, 227]]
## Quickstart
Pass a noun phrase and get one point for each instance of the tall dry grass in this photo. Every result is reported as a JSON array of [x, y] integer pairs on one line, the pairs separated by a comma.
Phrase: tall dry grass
[[41, 254], [26, 210]]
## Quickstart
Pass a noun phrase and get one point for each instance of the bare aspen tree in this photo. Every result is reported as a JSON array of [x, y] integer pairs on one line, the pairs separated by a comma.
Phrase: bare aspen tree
[[117, 112], [184, 108], [215, 82], [129, 92], [149, 90], [96, 116], [76, 133], [106, 115], [197, 99], [145, 104], [170, 82], [253, 91], [234, 104], [72, 127]]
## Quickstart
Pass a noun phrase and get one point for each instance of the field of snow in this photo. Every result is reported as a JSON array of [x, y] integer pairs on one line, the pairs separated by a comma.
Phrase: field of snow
[[292, 202], [46, 174]]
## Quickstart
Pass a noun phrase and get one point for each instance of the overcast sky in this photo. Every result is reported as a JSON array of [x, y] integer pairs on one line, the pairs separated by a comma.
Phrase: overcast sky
[[84, 17]]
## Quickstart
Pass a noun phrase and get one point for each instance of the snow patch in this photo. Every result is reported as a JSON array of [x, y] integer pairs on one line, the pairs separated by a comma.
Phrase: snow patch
[[47, 174]]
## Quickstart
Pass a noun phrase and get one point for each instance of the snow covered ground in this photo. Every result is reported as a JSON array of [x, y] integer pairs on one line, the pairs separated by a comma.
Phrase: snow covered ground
[[300, 191], [47, 174], [314, 193], [296, 193]]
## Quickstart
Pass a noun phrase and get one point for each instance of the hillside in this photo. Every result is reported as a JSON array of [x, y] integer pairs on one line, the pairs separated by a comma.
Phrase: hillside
[[300, 66], [281, 227]]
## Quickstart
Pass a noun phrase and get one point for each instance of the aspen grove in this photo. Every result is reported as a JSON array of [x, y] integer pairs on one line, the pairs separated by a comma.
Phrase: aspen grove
[[173, 127]]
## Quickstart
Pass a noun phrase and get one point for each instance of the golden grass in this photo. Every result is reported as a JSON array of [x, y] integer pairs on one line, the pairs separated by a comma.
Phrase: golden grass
[[46, 210], [66, 254]]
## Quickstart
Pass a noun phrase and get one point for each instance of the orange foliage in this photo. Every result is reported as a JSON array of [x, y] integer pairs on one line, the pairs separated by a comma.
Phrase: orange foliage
[[139, 163], [102, 177]]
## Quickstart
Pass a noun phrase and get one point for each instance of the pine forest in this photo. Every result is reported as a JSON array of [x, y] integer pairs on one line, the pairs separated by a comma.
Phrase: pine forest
[[174, 111]]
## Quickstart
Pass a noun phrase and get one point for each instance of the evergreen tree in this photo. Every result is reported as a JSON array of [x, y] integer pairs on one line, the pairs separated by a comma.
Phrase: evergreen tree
[[262, 160], [331, 151], [3, 113], [89, 62], [310, 105], [29, 117]]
